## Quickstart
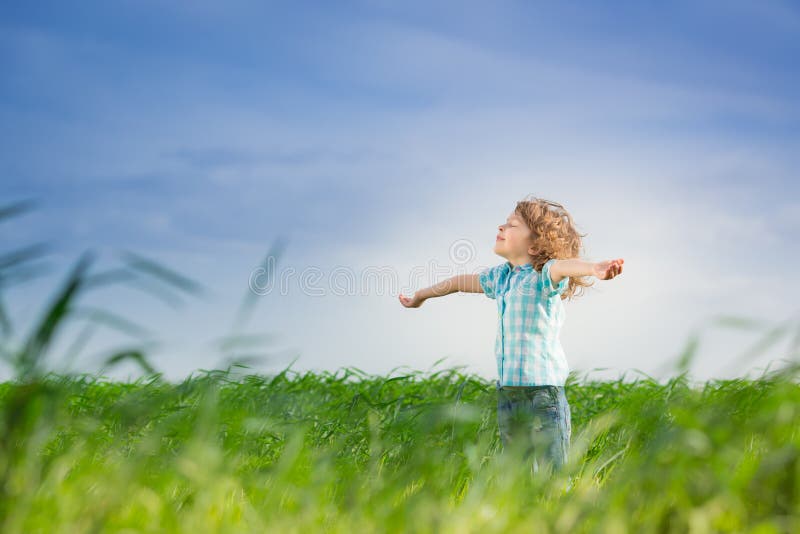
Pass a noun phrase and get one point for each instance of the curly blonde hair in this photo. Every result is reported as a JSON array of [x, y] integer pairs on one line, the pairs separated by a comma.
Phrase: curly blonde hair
[[553, 236]]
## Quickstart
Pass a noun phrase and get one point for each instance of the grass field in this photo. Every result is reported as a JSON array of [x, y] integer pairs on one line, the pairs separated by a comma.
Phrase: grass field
[[347, 452]]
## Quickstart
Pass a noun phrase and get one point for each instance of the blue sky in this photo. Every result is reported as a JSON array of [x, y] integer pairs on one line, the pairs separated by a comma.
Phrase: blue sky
[[377, 134]]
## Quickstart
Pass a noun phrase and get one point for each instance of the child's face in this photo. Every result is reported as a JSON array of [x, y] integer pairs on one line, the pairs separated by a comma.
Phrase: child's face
[[513, 239]]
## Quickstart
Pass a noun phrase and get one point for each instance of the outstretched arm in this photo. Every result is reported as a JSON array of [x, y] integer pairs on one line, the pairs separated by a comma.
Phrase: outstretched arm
[[604, 270], [463, 282]]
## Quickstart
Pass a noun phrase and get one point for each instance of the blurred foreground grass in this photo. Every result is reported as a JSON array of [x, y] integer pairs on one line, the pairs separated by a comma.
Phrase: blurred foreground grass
[[346, 452]]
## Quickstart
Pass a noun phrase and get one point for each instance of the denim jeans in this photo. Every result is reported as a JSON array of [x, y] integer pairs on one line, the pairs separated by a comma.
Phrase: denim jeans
[[535, 421]]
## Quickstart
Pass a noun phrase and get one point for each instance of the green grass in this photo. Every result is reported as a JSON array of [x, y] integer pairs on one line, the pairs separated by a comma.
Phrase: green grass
[[347, 452]]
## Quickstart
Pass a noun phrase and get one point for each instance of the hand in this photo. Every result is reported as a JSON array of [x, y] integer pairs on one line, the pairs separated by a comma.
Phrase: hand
[[606, 270], [411, 302]]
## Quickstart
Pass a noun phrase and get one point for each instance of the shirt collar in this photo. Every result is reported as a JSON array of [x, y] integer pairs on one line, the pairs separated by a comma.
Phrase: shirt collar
[[525, 267]]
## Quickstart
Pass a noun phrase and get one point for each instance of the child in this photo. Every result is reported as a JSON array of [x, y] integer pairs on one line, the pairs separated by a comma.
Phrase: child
[[541, 246]]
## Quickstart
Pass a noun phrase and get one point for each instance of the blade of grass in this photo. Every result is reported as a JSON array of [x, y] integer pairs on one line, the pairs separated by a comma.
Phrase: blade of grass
[[136, 356], [33, 352], [160, 272], [111, 320], [269, 264]]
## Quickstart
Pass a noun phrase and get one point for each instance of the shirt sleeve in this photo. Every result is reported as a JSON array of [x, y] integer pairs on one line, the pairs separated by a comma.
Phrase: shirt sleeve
[[548, 289], [489, 278]]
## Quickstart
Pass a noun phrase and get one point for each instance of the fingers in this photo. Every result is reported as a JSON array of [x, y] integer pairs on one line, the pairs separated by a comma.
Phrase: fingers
[[616, 267], [613, 269]]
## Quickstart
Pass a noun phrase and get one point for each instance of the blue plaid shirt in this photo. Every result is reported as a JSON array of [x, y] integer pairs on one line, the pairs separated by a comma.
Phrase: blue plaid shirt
[[530, 315]]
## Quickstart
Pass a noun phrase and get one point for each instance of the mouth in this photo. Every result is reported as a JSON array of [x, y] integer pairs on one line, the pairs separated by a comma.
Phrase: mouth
[[499, 239]]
